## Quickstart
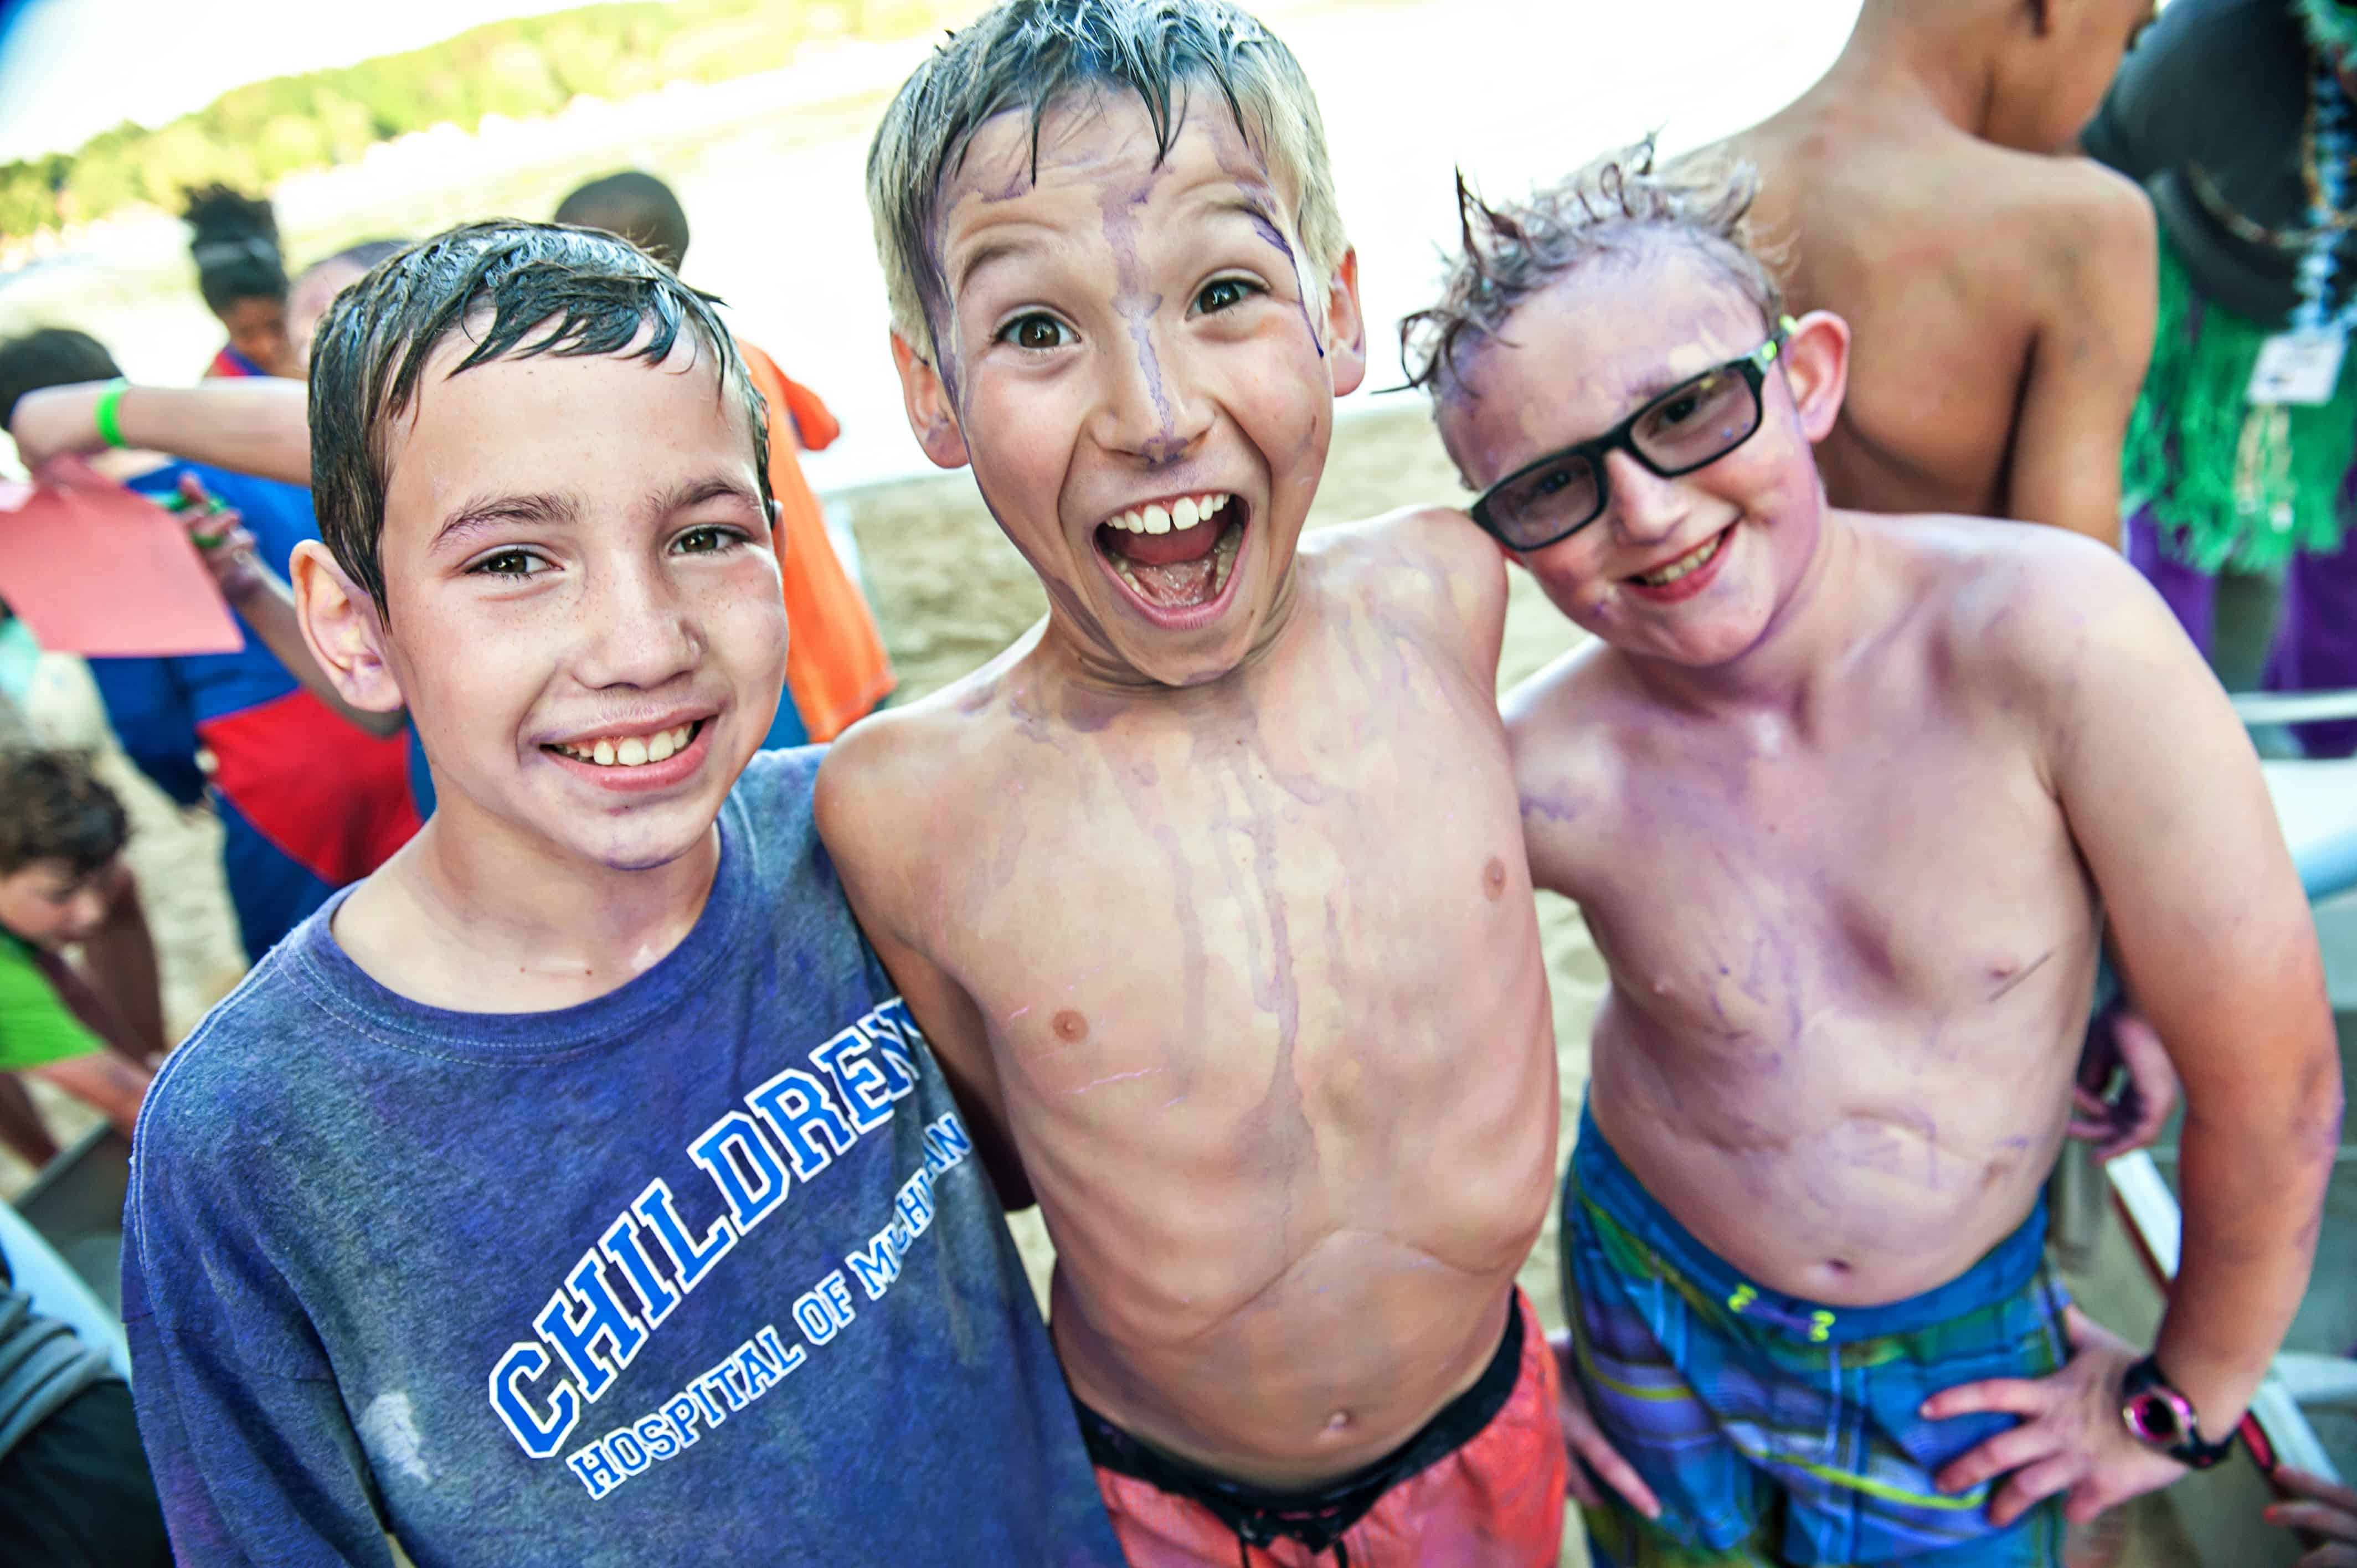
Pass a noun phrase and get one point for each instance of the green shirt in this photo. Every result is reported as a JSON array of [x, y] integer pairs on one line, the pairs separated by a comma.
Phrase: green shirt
[[36, 1025]]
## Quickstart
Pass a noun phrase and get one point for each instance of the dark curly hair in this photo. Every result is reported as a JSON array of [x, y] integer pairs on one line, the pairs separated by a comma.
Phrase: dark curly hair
[[52, 807], [234, 243], [1612, 207]]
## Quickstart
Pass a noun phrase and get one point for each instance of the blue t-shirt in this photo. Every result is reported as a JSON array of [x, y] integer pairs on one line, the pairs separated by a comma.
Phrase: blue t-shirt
[[702, 1272]]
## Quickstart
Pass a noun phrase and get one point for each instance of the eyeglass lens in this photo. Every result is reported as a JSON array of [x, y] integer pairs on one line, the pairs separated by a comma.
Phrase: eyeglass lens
[[1690, 426]]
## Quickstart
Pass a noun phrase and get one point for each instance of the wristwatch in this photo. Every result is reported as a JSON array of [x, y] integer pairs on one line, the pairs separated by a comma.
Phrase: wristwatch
[[2160, 1418]]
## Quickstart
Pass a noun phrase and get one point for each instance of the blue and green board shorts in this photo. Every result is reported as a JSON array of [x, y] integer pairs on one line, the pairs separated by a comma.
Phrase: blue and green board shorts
[[1777, 1432]]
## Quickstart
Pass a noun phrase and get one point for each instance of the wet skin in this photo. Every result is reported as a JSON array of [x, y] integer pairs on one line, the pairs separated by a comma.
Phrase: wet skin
[[2002, 298], [573, 549], [1222, 932], [1850, 939]]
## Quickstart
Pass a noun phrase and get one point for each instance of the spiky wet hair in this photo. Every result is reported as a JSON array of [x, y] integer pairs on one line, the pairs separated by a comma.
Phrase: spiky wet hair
[[1614, 207], [1028, 55], [592, 292]]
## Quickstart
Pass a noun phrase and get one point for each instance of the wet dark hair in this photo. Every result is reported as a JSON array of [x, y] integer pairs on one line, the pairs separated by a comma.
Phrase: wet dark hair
[[1616, 206], [52, 807], [592, 292], [635, 205], [235, 247], [51, 357]]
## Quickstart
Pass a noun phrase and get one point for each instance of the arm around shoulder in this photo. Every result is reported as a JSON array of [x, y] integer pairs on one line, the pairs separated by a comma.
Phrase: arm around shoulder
[[880, 828], [2087, 364]]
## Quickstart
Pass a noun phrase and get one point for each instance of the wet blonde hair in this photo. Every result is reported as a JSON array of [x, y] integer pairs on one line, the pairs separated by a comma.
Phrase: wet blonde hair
[[1028, 55], [1613, 206]]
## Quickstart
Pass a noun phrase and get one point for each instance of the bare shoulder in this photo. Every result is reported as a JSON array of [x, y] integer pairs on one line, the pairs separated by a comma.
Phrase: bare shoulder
[[2023, 609], [923, 762], [2077, 220], [1421, 554]]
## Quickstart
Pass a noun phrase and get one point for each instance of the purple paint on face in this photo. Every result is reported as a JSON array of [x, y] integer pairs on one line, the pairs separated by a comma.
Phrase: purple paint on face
[[1265, 227], [1137, 308]]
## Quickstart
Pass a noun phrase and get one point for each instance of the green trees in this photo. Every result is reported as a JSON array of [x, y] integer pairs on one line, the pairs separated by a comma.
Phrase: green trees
[[257, 135]]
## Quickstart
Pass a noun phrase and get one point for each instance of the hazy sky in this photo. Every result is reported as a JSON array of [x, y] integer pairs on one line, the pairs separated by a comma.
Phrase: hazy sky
[[66, 75]]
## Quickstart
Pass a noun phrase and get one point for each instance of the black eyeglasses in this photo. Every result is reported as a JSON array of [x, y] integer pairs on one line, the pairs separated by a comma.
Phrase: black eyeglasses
[[1690, 426]]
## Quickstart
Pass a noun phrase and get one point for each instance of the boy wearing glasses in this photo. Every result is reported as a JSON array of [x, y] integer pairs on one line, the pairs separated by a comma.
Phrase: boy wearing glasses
[[1845, 800]]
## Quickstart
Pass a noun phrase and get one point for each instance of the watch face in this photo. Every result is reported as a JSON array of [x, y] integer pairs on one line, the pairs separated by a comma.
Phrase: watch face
[[2153, 1419]]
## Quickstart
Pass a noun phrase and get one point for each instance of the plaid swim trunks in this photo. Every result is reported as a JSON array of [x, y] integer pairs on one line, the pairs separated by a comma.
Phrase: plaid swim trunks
[[1780, 1433]]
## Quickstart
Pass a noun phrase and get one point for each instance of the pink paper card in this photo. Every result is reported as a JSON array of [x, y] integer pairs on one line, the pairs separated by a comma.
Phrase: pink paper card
[[92, 568]]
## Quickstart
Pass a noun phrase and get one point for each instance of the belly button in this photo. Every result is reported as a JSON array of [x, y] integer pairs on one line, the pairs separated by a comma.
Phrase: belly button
[[1493, 878], [1836, 1265], [1070, 1027], [1338, 1421]]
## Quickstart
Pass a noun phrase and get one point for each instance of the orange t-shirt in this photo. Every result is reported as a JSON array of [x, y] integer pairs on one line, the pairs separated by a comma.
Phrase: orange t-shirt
[[836, 666]]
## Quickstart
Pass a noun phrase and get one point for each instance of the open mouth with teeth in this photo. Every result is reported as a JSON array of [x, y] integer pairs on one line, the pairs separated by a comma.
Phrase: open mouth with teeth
[[1688, 576], [631, 750], [1177, 558]]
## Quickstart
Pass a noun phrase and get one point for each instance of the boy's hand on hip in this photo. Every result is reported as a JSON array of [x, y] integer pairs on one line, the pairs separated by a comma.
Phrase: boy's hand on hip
[[2071, 1441], [1586, 1443], [2322, 1511]]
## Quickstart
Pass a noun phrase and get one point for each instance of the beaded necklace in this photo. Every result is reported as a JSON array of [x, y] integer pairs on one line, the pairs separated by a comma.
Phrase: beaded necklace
[[2330, 156]]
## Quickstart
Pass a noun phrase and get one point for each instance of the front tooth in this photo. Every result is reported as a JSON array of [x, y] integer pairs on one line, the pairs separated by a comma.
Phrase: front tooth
[[1183, 513], [660, 747], [632, 752], [602, 754], [1157, 519]]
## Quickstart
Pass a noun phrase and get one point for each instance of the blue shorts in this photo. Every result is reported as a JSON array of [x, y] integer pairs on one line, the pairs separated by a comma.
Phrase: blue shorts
[[1780, 1432]]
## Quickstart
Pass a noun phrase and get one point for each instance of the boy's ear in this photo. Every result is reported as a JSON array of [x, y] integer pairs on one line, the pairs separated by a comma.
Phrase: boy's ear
[[931, 415], [1816, 367], [343, 630], [1346, 328]]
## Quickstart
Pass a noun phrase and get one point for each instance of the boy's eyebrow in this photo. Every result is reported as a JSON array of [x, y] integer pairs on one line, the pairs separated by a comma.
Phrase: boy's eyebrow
[[996, 252], [475, 516], [695, 492]]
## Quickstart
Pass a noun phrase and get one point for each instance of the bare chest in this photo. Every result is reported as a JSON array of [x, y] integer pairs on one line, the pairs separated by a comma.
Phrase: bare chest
[[1918, 890], [1302, 913]]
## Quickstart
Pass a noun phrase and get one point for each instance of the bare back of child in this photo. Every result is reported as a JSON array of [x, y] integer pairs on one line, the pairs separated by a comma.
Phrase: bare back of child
[[1216, 909], [1846, 800], [2002, 297]]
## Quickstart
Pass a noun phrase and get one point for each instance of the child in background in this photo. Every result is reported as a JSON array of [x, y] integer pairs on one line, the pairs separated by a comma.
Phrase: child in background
[[308, 799], [2002, 295], [62, 883], [836, 670], [315, 287], [575, 1190], [234, 243], [1235, 961], [1847, 800]]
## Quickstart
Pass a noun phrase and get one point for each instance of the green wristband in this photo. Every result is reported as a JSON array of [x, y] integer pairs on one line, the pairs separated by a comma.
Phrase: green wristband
[[103, 415]]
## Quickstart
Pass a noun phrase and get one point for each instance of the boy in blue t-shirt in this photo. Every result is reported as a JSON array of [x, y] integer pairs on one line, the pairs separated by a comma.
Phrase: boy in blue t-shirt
[[575, 1190]]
